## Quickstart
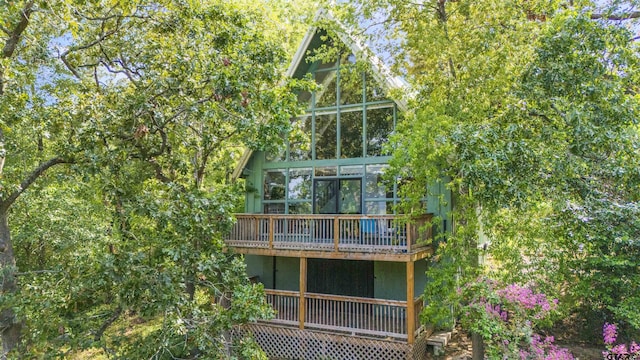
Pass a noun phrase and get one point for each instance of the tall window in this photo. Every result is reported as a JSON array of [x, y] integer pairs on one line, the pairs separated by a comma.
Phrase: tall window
[[348, 116]]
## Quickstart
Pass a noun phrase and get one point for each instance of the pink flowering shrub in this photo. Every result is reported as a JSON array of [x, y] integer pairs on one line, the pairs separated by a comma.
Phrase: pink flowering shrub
[[506, 317], [619, 351]]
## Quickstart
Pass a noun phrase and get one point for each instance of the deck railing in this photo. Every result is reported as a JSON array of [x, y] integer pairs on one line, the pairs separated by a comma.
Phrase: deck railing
[[286, 305], [418, 305], [363, 316], [360, 315], [350, 233]]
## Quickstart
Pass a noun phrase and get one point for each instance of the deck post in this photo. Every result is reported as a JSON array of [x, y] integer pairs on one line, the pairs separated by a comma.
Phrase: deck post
[[409, 229], [271, 231], [256, 223], [303, 289], [336, 233], [411, 316]]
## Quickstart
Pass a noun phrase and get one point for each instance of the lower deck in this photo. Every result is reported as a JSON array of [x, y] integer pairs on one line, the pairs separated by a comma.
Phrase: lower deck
[[358, 299], [349, 315]]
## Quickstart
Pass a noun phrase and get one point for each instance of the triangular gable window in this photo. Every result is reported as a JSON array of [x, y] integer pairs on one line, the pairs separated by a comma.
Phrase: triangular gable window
[[348, 117]]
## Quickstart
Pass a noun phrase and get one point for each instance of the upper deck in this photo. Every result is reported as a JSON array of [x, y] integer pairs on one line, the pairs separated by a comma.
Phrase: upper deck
[[356, 237]]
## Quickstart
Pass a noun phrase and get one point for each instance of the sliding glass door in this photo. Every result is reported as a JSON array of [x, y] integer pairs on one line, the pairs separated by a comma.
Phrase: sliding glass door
[[337, 196]]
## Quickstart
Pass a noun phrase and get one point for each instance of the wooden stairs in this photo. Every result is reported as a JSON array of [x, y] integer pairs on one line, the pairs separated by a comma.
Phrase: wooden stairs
[[439, 340]]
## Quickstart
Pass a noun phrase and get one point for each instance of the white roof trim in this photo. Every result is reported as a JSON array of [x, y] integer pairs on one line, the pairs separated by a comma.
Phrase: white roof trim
[[244, 159]]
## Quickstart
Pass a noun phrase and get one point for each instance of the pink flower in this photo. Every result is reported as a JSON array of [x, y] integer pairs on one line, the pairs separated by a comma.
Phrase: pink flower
[[549, 339], [526, 298], [559, 354], [619, 349], [504, 316], [609, 333]]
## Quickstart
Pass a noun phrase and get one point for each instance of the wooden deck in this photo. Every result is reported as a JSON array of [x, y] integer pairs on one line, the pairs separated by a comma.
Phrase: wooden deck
[[345, 314], [376, 237]]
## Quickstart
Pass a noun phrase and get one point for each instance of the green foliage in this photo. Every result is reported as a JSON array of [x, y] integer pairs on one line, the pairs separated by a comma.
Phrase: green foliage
[[568, 148], [507, 318], [529, 110], [454, 263], [249, 349], [150, 103]]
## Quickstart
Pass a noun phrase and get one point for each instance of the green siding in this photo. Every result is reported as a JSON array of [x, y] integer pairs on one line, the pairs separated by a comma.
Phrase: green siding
[[439, 203], [389, 277], [390, 280], [288, 273], [262, 267], [420, 267], [253, 183]]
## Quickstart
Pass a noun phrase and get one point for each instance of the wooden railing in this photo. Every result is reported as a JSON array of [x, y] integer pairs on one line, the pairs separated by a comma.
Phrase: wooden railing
[[363, 316], [286, 305], [418, 305], [359, 315], [350, 233]]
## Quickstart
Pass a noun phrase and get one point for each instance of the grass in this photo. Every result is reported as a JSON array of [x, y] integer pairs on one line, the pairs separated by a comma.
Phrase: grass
[[127, 327]]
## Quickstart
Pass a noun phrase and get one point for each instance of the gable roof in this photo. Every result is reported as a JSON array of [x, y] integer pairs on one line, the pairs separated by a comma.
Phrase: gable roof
[[381, 71]]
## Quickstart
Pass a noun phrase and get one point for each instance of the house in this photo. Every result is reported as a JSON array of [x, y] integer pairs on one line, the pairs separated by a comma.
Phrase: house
[[342, 271]]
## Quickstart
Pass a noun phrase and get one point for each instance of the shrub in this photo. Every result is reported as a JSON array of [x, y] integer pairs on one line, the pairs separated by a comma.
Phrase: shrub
[[506, 318], [614, 351]]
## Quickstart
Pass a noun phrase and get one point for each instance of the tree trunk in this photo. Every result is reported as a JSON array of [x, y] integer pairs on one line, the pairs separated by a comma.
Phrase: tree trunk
[[478, 347], [10, 327]]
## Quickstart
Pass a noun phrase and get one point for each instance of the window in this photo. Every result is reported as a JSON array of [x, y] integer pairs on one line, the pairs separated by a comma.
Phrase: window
[[379, 127], [274, 208], [326, 136], [327, 95], [274, 182], [351, 134], [351, 170], [299, 184], [300, 139], [349, 116], [300, 207], [354, 189], [351, 80], [326, 171], [379, 192]]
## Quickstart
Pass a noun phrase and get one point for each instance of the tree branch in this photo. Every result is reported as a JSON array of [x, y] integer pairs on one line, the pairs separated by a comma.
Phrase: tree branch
[[35, 174], [70, 67], [625, 16], [113, 16], [116, 314], [14, 39], [97, 41], [158, 170], [182, 109], [96, 79]]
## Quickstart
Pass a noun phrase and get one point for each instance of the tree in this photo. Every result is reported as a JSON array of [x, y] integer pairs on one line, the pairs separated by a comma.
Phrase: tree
[[527, 111], [147, 104]]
